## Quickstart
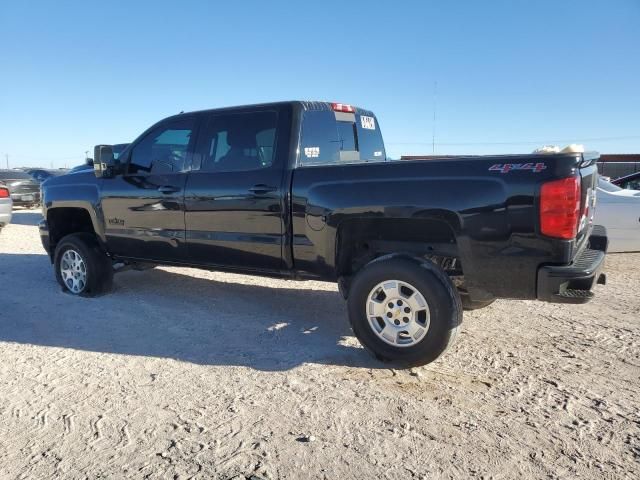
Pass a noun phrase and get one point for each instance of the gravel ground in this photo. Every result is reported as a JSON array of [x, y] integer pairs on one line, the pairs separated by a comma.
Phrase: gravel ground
[[181, 373]]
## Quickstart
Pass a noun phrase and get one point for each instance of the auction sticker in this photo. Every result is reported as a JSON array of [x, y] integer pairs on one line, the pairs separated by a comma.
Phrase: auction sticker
[[312, 152], [368, 122]]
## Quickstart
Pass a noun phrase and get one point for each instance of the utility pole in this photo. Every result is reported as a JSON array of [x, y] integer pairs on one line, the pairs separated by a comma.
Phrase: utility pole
[[6, 156], [433, 138]]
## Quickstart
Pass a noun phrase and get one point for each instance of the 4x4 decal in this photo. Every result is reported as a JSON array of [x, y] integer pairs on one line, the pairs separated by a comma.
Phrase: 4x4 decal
[[507, 167]]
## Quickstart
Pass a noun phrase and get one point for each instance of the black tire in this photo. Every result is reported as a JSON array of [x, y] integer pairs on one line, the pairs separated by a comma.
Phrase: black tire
[[99, 268], [438, 291]]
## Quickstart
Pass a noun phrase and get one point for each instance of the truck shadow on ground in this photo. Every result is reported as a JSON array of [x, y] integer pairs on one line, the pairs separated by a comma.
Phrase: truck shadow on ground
[[26, 217], [162, 313]]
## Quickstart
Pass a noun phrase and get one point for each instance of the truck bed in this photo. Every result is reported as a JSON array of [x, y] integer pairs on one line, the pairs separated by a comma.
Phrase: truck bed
[[488, 204]]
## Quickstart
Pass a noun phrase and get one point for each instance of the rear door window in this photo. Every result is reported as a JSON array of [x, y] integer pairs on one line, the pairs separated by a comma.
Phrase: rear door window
[[238, 142]]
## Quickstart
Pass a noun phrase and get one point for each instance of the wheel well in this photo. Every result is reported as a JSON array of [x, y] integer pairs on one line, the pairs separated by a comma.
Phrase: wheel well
[[64, 221], [360, 241]]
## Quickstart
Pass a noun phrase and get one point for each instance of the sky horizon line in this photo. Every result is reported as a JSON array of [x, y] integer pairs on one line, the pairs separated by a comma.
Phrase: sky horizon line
[[484, 78]]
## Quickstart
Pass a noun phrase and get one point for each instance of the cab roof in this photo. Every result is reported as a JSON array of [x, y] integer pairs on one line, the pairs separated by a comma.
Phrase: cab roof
[[301, 104]]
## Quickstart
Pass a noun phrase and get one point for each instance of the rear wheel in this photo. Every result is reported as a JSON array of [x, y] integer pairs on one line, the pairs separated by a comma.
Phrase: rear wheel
[[82, 267], [403, 310]]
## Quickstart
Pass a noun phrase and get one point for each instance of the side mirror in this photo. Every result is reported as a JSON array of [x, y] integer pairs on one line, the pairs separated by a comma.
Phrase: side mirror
[[103, 162]]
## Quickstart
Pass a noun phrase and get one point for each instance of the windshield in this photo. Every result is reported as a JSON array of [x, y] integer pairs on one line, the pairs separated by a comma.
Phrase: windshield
[[57, 173], [608, 186], [118, 149]]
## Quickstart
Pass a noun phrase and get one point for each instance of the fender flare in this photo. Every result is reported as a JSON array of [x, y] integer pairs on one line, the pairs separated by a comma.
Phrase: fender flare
[[97, 219]]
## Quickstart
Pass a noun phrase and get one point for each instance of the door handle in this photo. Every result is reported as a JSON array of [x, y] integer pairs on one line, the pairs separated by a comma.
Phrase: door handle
[[166, 189], [261, 189]]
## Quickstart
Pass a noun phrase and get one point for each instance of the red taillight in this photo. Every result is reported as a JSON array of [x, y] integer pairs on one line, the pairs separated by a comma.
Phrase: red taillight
[[342, 107], [4, 193], [560, 208]]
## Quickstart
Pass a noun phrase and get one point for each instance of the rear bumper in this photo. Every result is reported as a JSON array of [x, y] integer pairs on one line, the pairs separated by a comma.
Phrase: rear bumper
[[5, 219], [5, 211], [25, 198], [574, 283]]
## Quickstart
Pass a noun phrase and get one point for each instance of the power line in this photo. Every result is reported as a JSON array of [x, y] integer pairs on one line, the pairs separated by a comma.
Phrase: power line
[[526, 142], [46, 159]]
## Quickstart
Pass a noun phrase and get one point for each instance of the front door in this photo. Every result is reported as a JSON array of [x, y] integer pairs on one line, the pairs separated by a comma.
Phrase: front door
[[234, 195], [144, 208]]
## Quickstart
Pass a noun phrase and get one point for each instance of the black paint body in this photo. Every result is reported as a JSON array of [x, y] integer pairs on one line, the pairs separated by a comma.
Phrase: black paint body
[[311, 221]]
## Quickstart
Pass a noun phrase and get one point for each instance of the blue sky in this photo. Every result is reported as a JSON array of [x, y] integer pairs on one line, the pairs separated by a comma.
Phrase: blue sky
[[511, 75]]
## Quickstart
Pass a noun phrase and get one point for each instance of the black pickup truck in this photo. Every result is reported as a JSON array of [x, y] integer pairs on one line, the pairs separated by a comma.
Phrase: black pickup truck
[[304, 190]]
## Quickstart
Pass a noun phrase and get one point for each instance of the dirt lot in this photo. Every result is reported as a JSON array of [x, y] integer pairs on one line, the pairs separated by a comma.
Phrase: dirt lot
[[181, 373]]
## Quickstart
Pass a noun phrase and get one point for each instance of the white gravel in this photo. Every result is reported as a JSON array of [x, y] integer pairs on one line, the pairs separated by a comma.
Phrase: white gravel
[[181, 373]]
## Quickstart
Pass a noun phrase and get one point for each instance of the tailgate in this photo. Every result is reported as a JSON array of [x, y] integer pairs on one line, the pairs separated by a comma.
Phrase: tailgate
[[589, 183]]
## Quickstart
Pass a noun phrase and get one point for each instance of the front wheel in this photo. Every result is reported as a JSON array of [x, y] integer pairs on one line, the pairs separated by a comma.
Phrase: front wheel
[[404, 310], [82, 267]]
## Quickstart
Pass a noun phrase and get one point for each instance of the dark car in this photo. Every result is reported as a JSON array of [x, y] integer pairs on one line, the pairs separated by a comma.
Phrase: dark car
[[87, 166], [628, 182], [304, 190], [24, 189], [41, 174]]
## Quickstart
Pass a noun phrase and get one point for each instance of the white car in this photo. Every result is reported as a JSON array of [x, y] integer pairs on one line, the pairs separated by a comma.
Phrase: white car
[[619, 211], [6, 205]]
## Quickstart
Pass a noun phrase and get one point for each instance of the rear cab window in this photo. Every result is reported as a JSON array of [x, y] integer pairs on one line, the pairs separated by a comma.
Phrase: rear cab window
[[14, 175], [330, 137]]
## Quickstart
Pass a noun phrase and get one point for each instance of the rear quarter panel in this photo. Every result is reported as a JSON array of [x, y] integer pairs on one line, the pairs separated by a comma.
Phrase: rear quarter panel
[[494, 215]]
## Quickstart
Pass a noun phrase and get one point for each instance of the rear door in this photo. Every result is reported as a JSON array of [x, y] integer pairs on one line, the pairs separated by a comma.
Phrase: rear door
[[144, 208], [234, 194]]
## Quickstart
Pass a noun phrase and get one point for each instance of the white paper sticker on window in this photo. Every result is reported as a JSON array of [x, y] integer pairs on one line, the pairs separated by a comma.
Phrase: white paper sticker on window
[[377, 154], [368, 122], [312, 152]]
